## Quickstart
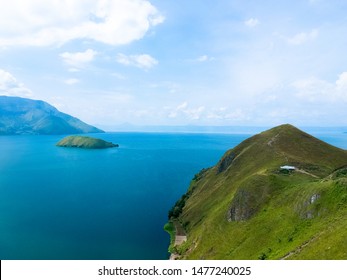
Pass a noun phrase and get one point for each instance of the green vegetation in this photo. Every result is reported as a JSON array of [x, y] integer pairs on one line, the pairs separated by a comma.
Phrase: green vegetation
[[176, 210], [85, 142], [170, 229], [245, 207]]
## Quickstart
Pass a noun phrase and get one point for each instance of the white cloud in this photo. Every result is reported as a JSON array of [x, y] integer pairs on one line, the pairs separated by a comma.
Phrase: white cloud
[[55, 22], [321, 91], [341, 83], [175, 111], [184, 111], [206, 114], [224, 113], [302, 37], [71, 81], [204, 58], [11, 87], [252, 22], [238, 115], [144, 61], [313, 89], [78, 59]]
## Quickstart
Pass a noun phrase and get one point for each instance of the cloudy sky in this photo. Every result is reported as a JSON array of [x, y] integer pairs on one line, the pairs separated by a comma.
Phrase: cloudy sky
[[162, 62]]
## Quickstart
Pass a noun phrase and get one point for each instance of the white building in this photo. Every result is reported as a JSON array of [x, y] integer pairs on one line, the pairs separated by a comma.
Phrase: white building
[[288, 167]]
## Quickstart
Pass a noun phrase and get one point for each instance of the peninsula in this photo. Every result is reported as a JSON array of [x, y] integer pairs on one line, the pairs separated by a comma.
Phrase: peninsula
[[85, 143]]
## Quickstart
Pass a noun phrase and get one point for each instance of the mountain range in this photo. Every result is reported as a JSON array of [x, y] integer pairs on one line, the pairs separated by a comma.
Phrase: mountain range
[[27, 116], [280, 194]]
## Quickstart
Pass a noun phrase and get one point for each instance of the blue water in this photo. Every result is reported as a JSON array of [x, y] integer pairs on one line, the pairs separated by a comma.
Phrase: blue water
[[60, 203]]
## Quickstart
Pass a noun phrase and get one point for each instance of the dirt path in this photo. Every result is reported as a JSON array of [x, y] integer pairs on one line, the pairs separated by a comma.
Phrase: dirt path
[[299, 249], [307, 173], [180, 238], [180, 235]]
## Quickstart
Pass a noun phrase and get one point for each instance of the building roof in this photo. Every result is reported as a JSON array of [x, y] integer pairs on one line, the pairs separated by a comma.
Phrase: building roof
[[288, 167]]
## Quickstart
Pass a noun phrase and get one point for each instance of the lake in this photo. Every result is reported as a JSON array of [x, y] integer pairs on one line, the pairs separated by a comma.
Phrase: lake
[[63, 203]]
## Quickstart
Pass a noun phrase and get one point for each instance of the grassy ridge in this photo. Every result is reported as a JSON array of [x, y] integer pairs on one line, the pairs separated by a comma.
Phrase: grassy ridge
[[246, 208]]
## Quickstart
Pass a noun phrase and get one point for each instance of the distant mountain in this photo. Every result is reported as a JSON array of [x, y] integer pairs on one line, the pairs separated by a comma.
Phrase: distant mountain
[[281, 194], [27, 116]]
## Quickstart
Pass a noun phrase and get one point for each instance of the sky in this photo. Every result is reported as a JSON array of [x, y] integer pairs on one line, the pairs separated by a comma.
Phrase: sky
[[197, 62]]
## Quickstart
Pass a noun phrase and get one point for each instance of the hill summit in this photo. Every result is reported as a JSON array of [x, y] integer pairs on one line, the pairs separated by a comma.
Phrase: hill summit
[[279, 194], [27, 116]]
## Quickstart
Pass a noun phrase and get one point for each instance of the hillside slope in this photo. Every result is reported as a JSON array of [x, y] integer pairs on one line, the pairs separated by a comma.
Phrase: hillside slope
[[247, 207], [27, 116]]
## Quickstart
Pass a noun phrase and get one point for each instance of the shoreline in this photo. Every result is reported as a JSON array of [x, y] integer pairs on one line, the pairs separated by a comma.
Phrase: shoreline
[[177, 237]]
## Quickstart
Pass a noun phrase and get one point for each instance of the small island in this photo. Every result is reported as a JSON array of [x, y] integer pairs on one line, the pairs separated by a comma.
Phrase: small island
[[85, 143]]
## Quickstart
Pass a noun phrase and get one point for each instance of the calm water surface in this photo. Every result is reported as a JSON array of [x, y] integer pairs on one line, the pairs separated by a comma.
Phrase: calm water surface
[[60, 203]]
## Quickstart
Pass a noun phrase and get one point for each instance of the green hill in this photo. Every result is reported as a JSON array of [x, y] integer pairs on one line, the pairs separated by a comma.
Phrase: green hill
[[27, 116], [248, 207], [85, 142]]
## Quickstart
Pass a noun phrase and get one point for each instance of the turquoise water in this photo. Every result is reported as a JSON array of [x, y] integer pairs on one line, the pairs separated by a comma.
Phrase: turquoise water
[[59, 203]]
